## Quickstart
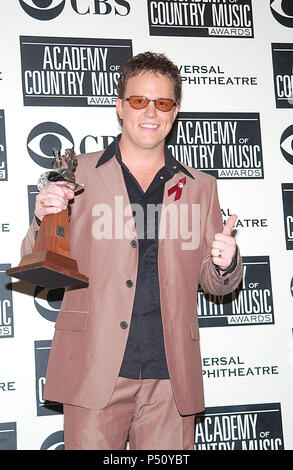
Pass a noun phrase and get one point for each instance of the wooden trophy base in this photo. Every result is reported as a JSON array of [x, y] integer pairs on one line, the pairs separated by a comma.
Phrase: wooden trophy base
[[50, 270], [49, 265]]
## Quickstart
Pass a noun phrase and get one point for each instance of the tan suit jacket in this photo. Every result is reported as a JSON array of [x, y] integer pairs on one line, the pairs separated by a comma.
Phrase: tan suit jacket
[[89, 343]]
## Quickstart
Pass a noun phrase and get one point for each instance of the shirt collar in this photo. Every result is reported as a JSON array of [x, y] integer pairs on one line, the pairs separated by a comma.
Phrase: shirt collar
[[171, 164]]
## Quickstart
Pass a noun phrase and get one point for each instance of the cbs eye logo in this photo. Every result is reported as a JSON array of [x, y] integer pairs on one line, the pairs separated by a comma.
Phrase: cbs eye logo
[[54, 442], [42, 9], [48, 302], [282, 11], [43, 138], [286, 144]]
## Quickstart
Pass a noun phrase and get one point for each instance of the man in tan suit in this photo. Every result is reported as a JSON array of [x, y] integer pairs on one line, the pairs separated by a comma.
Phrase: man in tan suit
[[125, 358]]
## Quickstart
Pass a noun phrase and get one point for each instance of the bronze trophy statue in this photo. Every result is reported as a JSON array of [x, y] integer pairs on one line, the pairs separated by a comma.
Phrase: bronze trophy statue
[[49, 265]]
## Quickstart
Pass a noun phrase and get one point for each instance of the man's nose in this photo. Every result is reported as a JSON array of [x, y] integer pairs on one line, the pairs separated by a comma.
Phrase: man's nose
[[150, 109]]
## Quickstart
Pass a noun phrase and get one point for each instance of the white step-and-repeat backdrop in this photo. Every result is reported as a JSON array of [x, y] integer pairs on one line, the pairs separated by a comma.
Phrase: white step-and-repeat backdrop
[[60, 61]]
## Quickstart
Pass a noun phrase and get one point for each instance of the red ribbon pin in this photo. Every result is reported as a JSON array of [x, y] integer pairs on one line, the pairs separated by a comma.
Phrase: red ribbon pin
[[178, 188]]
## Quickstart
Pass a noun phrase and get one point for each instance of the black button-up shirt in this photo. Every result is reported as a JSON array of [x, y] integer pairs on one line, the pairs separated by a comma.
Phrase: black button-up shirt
[[144, 355]]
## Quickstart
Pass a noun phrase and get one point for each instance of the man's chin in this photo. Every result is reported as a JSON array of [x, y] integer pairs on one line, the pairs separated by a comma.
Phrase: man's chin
[[149, 144]]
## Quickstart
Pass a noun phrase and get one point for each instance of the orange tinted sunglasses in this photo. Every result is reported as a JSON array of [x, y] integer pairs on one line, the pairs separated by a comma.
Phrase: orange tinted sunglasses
[[140, 102]]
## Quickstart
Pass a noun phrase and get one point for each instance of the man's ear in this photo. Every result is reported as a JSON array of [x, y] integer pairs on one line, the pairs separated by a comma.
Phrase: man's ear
[[176, 110], [119, 108]]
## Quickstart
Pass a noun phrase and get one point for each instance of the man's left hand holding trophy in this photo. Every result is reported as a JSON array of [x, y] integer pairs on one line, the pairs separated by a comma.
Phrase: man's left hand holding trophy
[[50, 265], [57, 186]]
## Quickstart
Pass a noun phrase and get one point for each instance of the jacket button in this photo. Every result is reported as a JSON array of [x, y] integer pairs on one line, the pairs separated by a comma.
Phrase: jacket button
[[226, 282], [133, 243], [123, 325], [129, 283]]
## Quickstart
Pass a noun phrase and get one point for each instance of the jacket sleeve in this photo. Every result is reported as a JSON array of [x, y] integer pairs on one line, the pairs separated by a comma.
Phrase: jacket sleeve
[[210, 280], [29, 240]]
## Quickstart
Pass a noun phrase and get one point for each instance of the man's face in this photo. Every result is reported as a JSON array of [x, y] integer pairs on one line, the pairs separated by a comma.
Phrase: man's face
[[147, 128]]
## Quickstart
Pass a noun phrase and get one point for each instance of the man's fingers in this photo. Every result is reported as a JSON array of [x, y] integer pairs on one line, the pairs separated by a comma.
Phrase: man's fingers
[[216, 253], [229, 225], [59, 188], [54, 195], [224, 245], [67, 187], [47, 211], [52, 200]]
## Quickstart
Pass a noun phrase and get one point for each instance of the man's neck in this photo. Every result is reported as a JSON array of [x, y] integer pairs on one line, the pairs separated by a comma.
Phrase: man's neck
[[142, 163], [140, 159]]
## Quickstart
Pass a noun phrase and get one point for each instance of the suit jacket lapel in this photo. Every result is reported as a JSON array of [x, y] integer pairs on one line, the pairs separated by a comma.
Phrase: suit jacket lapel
[[112, 176], [165, 222]]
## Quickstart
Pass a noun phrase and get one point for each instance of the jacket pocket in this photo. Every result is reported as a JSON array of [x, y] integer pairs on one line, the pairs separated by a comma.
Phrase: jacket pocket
[[72, 321], [194, 330]]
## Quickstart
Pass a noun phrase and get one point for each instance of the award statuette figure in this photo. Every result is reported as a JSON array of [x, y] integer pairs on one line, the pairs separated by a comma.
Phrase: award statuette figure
[[49, 265]]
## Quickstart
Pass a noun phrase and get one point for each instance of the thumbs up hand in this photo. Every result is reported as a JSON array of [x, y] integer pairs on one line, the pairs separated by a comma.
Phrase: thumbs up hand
[[224, 246]]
